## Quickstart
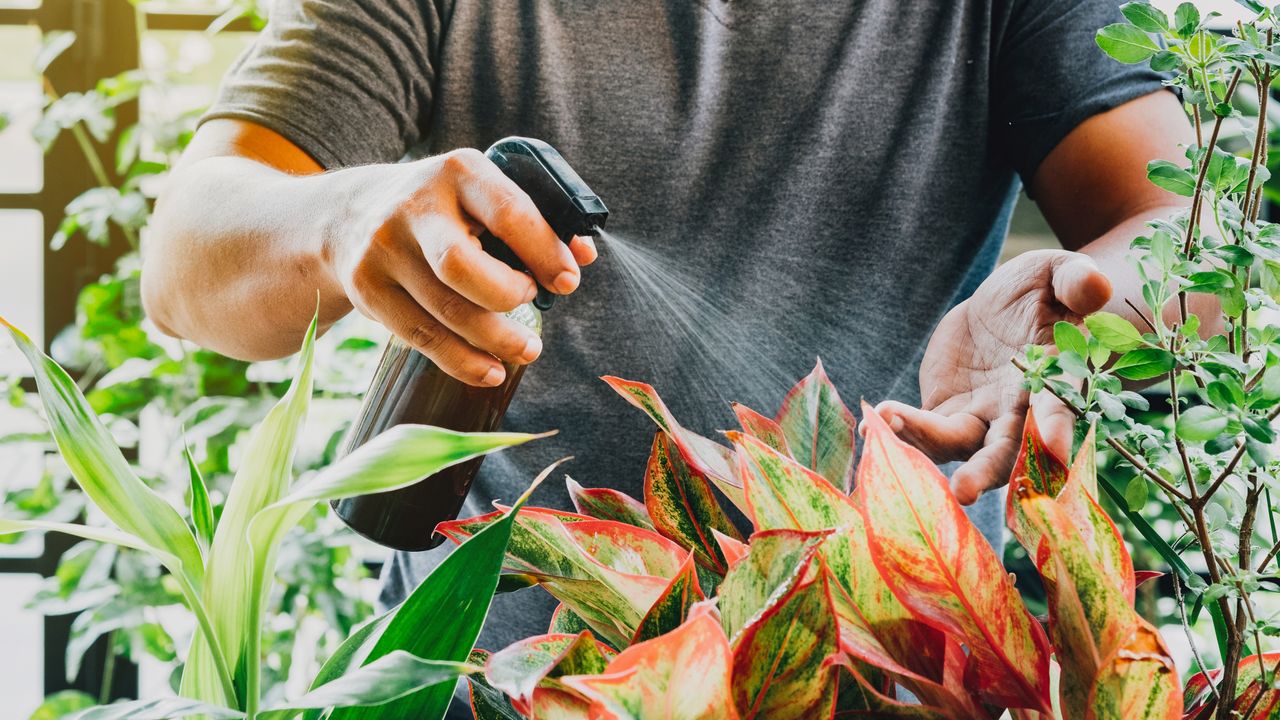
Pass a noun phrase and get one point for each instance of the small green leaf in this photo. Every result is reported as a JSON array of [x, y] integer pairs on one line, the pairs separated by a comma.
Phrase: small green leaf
[[1126, 43], [1113, 331], [1146, 16], [1068, 337], [201, 508], [1164, 61], [174, 707], [1200, 424], [1171, 177], [61, 704], [1135, 493], [1144, 364], [54, 43], [1186, 19]]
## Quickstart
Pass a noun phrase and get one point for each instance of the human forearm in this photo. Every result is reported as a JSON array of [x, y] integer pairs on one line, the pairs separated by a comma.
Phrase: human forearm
[[239, 251]]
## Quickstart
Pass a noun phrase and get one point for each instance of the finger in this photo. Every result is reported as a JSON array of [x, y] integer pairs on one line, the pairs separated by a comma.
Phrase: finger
[[507, 211], [402, 315], [1080, 285], [583, 249], [989, 467], [942, 437], [457, 259], [481, 328], [1056, 422]]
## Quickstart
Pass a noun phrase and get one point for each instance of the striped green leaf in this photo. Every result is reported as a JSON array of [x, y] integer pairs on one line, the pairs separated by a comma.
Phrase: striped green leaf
[[819, 428], [161, 709], [775, 562], [671, 608], [390, 677]]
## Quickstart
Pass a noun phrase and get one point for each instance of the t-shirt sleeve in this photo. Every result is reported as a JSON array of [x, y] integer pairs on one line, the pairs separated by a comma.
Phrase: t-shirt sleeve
[[348, 81], [1050, 75]]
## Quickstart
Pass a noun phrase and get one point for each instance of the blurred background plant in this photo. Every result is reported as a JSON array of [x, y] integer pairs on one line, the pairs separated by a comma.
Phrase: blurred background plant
[[157, 393]]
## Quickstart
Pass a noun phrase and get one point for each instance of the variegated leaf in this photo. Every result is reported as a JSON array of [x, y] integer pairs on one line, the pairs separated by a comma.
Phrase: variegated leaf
[[779, 660], [776, 561], [519, 668], [609, 574], [1044, 471], [858, 696], [566, 621], [942, 569], [733, 550], [709, 457], [819, 428], [1139, 680], [1089, 617], [758, 426], [608, 504], [1078, 498], [672, 608], [682, 506], [1254, 699], [683, 675]]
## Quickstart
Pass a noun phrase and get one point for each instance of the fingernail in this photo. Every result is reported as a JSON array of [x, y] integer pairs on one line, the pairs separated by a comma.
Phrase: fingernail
[[895, 423], [566, 282], [586, 240], [532, 349], [493, 377]]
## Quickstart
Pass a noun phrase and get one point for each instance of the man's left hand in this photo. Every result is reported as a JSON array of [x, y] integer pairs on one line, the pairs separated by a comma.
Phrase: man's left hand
[[972, 402]]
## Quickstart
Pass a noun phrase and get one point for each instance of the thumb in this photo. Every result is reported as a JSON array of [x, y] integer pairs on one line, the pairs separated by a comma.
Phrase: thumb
[[1080, 285]]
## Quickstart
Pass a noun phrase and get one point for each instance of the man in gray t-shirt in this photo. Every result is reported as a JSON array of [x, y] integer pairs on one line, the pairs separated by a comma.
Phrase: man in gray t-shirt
[[834, 178]]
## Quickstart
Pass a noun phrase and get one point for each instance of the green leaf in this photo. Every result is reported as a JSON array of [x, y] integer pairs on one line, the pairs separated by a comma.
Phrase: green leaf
[[391, 677], [53, 44], [1201, 424], [1171, 177], [101, 470], [1113, 331], [1146, 16], [1066, 336], [350, 654], [61, 704], [162, 709], [1135, 493], [1126, 43], [682, 506], [1165, 61], [442, 618], [1144, 364], [1186, 19], [201, 508], [819, 428]]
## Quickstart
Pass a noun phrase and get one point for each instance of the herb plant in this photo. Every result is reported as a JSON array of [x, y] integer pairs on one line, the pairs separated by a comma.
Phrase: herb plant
[[1213, 462]]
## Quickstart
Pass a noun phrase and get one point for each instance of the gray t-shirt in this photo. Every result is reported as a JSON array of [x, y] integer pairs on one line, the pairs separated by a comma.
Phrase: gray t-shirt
[[793, 179]]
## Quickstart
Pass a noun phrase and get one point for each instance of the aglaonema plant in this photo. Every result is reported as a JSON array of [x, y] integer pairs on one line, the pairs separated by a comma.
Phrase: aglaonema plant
[[1216, 364], [401, 665], [835, 601]]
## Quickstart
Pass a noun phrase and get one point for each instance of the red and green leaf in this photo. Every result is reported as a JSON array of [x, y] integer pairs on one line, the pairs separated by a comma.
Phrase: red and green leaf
[[1078, 498], [776, 561], [683, 675], [1256, 695], [672, 607], [758, 426], [709, 457], [863, 692], [1139, 680], [819, 428], [680, 502], [1044, 471], [732, 548], [608, 504], [942, 569], [779, 660], [521, 667]]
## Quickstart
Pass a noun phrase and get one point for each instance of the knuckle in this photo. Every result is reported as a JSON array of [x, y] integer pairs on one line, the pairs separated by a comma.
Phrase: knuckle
[[429, 337], [514, 214], [451, 264], [453, 308], [462, 160]]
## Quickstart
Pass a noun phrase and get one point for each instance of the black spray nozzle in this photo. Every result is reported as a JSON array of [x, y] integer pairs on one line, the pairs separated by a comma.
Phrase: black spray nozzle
[[565, 201]]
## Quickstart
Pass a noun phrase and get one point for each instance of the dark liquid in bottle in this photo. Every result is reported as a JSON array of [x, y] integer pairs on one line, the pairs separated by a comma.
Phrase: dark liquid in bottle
[[409, 388]]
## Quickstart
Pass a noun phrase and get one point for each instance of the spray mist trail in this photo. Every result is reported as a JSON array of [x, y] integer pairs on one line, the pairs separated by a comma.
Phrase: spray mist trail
[[732, 359]]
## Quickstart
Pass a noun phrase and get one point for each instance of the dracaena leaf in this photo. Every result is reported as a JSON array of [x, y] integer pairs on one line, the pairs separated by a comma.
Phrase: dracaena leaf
[[442, 617], [941, 568], [819, 428], [160, 709], [390, 677], [608, 504], [518, 669], [682, 506], [779, 660], [766, 429], [709, 457], [671, 608], [683, 675]]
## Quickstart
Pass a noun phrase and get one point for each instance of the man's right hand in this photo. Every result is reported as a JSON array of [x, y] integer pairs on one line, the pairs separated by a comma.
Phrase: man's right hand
[[414, 263], [250, 227]]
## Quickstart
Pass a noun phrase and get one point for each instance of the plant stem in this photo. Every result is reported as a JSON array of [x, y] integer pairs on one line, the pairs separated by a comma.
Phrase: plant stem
[[108, 670], [1186, 628], [211, 640]]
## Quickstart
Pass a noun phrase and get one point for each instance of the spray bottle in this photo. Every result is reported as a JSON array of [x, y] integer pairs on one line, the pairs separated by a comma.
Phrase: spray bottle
[[409, 388]]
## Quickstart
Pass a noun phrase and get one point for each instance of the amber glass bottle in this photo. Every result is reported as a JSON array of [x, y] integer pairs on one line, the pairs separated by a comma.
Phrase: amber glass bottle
[[408, 388]]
